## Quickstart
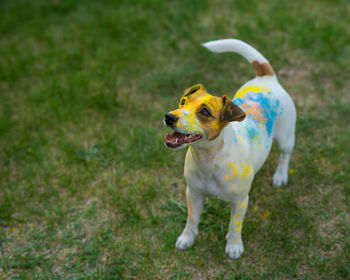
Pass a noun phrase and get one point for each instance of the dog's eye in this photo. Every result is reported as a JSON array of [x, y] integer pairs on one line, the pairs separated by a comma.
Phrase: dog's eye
[[183, 101], [205, 112]]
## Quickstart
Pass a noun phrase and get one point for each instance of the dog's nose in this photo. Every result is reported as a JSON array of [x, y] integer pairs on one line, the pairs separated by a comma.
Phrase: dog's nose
[[170, 119]]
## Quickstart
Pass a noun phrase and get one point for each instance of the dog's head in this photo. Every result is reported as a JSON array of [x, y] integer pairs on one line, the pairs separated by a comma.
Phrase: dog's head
[[200, 117]]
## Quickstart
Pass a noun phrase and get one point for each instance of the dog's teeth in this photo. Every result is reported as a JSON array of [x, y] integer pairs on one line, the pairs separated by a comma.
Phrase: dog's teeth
[[176, 140]]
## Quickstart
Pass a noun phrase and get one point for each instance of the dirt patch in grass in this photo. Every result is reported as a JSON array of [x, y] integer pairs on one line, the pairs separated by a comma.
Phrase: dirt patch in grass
[[295, 78]]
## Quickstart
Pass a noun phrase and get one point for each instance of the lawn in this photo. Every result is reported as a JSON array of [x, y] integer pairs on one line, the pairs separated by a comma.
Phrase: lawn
[[87, 188]]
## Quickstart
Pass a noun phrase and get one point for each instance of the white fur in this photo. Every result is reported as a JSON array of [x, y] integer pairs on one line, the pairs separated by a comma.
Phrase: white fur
[[225, 167], [238, 46]]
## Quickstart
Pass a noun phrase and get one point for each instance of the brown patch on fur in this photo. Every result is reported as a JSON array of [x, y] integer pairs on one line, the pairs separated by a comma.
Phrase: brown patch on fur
[[263, 69], [211, 124], [222, 111]]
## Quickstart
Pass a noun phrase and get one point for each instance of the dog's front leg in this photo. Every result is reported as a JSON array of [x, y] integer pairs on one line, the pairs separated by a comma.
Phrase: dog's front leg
[[234, 244], [195, 203]]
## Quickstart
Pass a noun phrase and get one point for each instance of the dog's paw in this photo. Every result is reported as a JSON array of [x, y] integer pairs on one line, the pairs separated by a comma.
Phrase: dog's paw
[[279, 178], [234, 250], [185, 240]]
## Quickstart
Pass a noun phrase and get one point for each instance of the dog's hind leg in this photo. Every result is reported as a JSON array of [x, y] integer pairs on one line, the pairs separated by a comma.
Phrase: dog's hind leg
[[195, 202], [285, 137]]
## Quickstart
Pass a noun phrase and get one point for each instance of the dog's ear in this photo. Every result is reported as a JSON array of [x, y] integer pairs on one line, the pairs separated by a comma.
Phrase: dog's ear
[[193, 89], [230, 111]]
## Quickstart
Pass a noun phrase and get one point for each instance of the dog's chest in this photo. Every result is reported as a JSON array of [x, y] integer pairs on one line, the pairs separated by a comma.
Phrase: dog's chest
[[208, 183], [214, 178]]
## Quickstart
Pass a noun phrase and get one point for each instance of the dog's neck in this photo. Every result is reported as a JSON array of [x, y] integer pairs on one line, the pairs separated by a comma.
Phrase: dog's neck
[[207, 150]]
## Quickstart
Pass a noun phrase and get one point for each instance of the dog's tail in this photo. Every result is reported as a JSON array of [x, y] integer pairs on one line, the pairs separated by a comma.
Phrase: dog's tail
[[259, 62]]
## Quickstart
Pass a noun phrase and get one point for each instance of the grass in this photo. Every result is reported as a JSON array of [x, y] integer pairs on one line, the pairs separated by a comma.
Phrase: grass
[[88, 190]]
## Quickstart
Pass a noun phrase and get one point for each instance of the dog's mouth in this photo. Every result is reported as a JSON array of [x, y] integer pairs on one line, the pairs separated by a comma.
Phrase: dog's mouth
[[177, 139]]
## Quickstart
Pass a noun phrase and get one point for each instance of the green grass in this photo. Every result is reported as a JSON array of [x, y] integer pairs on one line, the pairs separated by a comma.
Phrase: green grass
[[87, 188]]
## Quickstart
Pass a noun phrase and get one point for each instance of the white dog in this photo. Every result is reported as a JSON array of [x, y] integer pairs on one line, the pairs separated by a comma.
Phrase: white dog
[[230, 140]]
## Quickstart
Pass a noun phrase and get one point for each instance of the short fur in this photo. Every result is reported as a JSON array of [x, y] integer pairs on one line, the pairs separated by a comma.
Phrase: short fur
[[236, 138]]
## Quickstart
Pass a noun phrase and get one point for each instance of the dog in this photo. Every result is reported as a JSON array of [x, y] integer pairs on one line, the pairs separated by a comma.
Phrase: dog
[[229, 140]]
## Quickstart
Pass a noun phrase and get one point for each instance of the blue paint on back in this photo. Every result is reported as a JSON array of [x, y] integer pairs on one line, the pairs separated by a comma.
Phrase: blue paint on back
[[261, 109]]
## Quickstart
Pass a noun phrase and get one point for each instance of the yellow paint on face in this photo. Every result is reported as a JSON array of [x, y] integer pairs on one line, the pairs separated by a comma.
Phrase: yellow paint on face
[[187, 121], [190, 121], [243, 205], [215, 125]]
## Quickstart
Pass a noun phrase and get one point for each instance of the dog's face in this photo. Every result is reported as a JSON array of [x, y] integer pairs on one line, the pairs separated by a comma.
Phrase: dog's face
[[200, 117]]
